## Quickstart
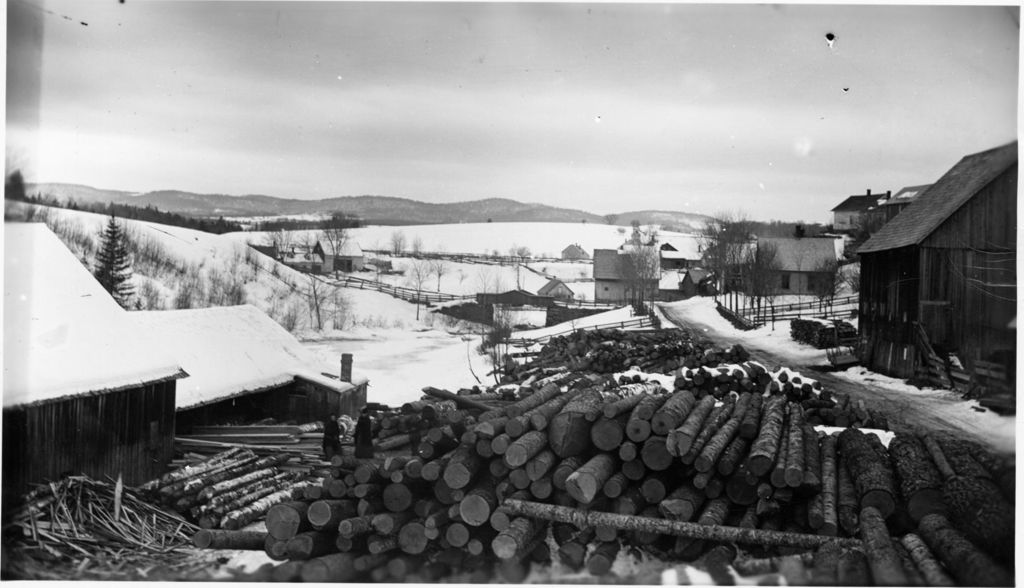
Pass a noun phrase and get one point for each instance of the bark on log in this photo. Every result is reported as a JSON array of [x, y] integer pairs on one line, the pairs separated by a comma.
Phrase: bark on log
[[490, 429], [572, 554], [714, 513], [564, 469], [601, 559], [795, 462], [569, 431], [886, 565], [734, 454], [518, 535], [931, 570], [541, 416], [655, 454], [742, 487], [585, 483], [979, 511], [668, 527], [462, 401], [751, 422], [965, 562], [673, 412], [812, 460], [275, 549], [680, 438], [766, 444], [828, 496], [524, 448], [723, 438], [541, 464], [959, 456], [847, 505], [534, 400], [871, 473], [938, 457], [221, 539], [626, 404], [778, 474], [919, 480], [192, 471], [462, 467], [355, 526], [717, 419]]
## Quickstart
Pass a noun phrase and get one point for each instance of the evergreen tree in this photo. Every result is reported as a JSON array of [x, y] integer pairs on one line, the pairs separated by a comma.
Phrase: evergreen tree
[[113, 265]]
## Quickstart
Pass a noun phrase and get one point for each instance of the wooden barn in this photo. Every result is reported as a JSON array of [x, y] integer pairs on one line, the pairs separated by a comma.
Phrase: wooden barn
[[244, 367], [349, 256], [556, 289], [84, 389], [574, 253], [940, 277]]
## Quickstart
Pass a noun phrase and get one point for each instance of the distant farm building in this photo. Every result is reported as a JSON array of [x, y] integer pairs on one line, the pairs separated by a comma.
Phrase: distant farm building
[[850, 213], [85, 390], [680, 253], [268, 250], [518, 307], [348, 257], [888, 209], [303, 259], [615, 278], [556, 289], [697, 282], [244, 367], [574, 253], [802, 265], [941, 276]]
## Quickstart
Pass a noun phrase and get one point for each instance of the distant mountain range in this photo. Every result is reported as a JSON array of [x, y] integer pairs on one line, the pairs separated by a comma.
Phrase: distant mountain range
[[380, 210]]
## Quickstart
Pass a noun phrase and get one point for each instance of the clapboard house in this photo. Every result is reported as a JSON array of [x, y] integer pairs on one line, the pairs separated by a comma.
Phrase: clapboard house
[[244, 367], [802, 266], [84, 390], [940, 277]]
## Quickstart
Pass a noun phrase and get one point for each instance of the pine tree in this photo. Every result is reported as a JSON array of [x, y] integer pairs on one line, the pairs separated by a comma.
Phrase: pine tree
[[113, 265]]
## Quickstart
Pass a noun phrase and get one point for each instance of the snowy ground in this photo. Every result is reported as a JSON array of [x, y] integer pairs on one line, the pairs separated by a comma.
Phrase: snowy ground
[[906, 407]]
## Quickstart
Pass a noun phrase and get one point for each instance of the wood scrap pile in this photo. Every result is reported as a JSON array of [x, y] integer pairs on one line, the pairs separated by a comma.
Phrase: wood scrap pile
[[820, 333], [607, 351], [92, 527], [584, 470], [301, 442]]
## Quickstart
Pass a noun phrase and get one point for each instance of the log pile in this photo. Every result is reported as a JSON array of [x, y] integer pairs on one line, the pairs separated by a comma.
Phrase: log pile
[[821, 333], [577, 466]]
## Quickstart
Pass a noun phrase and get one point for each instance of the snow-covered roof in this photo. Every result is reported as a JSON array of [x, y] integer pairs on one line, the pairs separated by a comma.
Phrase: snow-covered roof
[[670, 280], [349, 248], [231, 350], [63, 333], [682, 247]]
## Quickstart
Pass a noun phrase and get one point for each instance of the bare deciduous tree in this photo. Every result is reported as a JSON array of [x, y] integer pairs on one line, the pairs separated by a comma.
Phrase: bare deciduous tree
[[397, 242], [419, 272], [417, 245], [726, 240], [438, 268], [826, 282], [759, 274]]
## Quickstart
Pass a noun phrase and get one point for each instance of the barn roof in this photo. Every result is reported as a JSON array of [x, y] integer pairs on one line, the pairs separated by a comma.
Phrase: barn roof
[[349, 248], [553, 283], [945, 197], [63, 333], [610, 265], [574, 249], [801, 255], [230, 351], [857, 203]]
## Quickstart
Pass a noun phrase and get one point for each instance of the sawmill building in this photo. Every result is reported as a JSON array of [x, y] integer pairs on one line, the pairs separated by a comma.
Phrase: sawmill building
[[940, 277], [84, 390], [244, 367]]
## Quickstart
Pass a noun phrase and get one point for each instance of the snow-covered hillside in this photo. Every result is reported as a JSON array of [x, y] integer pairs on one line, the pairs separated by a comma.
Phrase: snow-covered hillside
[[543, 239]]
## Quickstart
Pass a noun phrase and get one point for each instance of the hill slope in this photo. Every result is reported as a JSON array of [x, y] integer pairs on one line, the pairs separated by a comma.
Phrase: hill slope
[[381, 210]]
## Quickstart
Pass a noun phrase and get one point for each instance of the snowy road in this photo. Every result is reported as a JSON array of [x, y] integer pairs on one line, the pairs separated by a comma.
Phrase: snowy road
[[906, 407]]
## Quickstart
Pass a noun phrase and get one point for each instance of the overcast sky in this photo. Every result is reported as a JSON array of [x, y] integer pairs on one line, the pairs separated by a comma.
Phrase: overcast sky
[[607, 107]]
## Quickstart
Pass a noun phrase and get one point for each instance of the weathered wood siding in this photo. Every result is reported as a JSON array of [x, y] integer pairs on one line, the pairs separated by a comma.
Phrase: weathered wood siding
[[889, 282], [130, 432], [968, 282]]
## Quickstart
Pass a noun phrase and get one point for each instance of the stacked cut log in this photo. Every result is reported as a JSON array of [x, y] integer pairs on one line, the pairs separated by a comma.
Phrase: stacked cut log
[[821, 334], [605, 468]]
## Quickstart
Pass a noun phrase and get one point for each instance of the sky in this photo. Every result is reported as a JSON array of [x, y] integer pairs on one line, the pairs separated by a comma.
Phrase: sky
[[603, 107]]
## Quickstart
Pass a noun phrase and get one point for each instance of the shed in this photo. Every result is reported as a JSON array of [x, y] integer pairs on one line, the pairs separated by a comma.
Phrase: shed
[[941, 276], [84, 389], [244, 367], [697, 282], [346, 257], [574, 253]]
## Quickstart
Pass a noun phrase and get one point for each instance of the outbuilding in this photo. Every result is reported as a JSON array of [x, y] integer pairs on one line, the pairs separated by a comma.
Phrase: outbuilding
[[85, 390]]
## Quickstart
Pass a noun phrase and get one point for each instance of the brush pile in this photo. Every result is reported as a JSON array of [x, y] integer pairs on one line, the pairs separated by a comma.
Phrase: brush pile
[[93, 527], [723, 467], [821, 333]]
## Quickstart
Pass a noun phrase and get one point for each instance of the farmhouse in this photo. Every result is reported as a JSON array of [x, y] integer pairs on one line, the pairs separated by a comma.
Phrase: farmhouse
[[85, 390], [348, 257], [615, 277], [803, 266], [556, 289], [303, 259], [850, 213], [680, 253], [574, 253], [941, 276], [244, 367]]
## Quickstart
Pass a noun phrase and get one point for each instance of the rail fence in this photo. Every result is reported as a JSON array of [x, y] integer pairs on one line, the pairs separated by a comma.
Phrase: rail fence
[[401, 292], [756, 316]]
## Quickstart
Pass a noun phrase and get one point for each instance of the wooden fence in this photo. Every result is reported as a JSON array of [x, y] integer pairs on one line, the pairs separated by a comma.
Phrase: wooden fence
[[756, 316], [640, 322], [400, 292]]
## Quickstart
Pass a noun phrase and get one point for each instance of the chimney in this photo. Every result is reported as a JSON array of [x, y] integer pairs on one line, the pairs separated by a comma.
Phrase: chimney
[[869, 191], [888, 194], [346, 367]]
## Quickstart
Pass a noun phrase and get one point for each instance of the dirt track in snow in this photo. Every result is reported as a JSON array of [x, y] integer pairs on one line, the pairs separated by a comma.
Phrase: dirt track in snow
[[936, 411]]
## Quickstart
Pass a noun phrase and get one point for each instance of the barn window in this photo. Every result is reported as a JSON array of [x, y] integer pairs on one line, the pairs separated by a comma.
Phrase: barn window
[[785, 281]]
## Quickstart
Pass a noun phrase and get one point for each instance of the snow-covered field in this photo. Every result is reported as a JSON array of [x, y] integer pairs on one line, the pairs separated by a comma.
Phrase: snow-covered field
[[543, 239]]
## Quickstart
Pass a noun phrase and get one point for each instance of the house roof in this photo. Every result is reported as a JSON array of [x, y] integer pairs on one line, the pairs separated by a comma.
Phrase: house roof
[[801, 255], [697, 275], [229, 351], [552, 284], [63, 333], [349, 248], [682, 247], [906, 195], [574, 248], [610, 265], [670, 280], [942, 199], [301, 256], [857, 203]]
